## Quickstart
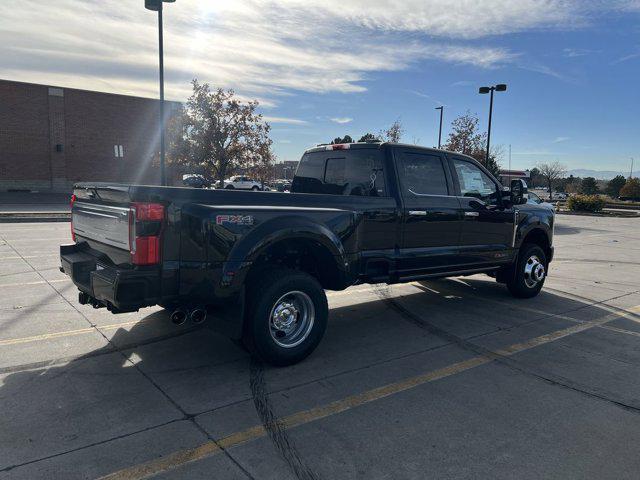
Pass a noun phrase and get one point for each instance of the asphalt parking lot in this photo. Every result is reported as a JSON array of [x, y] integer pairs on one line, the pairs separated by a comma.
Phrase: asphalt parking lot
[[440, 379]]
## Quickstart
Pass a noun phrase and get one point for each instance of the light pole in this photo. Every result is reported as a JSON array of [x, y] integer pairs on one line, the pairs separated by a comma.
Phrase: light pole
[[501, 87], [441, 108], [156, 6]]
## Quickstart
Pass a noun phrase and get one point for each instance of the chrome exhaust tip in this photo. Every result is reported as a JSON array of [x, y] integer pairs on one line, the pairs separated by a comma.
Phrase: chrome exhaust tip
[[179, 316], [198, 315]]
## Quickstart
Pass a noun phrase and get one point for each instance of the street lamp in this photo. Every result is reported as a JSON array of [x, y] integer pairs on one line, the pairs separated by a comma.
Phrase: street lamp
[[441, 108], [156, 6], [501, 87]]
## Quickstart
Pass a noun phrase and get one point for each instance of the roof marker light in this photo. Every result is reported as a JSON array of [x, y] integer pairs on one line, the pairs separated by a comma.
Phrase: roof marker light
[[338, 146]]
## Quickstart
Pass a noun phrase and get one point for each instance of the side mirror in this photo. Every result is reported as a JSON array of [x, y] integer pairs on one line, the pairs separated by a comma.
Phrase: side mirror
[[519, 191]]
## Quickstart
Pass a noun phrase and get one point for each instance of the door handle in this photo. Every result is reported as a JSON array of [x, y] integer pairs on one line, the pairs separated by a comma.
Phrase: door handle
[[417, 213], [471, 214]]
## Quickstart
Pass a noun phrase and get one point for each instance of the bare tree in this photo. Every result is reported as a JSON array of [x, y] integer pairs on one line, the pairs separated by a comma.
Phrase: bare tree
[[465, 137], [218, 132], [551, 172], [392, 134]]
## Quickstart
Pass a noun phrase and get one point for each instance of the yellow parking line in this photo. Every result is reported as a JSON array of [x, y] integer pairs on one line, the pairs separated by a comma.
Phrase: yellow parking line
[[67, 333], [181, 457]]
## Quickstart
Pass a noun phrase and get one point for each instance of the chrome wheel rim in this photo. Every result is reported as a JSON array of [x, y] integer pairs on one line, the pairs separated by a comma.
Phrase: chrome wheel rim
[[534, 271], [291, 319]]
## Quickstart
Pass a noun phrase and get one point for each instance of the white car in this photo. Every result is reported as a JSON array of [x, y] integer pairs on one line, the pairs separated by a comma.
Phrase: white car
[[533, 198], [242, 183]]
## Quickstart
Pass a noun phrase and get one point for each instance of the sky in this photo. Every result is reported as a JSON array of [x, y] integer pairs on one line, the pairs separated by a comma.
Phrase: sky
[[326, 68]]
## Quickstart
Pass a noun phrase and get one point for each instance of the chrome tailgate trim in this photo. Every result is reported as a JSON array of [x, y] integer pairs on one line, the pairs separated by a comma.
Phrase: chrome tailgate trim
[[102, 223]]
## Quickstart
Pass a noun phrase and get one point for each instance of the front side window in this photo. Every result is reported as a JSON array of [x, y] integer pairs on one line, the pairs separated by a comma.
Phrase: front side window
[[474, 182], [422, 175]]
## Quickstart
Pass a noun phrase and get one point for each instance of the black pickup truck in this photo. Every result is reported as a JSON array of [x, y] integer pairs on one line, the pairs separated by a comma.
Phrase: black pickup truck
[[257, 263]]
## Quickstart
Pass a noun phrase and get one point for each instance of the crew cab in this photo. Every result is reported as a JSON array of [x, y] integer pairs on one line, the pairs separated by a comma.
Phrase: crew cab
[[257, 265]]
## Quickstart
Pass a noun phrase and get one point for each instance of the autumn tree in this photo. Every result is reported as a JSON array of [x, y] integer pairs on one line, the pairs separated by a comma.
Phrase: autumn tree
[[218, 133], [588, 186], [614, 185], [260, 159], [465, 137], [551, 172], [631, 189]]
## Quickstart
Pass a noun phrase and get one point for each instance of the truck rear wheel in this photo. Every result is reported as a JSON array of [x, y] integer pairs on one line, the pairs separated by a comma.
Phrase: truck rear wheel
[[286, 316], [530, 273]]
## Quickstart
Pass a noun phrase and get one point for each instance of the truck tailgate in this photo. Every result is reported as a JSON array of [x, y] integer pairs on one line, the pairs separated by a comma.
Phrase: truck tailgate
[[102, 223]]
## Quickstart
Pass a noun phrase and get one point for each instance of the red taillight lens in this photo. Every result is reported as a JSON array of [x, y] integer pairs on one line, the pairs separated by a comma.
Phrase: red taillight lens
[[147, 251], [149, 212], [145, 226], [73, 200]]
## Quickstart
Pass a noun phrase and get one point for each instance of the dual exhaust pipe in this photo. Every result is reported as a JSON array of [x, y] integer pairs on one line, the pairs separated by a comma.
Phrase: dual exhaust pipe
[[197, 315]]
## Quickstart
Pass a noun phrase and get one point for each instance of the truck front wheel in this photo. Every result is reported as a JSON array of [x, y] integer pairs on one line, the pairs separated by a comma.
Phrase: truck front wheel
[[530, 272], [286, 315]]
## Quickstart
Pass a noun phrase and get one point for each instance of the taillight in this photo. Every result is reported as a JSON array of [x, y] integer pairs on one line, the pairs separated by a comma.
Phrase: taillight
[[73, 200], [153, 212], [145, 228]]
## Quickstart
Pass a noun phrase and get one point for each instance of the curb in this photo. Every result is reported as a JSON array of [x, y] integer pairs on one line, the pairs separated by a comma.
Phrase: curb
[[600, 214], [35, 217]]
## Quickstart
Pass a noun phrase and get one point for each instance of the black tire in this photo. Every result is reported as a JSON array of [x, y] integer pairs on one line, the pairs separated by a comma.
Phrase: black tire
[[229, 187], [255, 188], [274, 288], [525, 282]]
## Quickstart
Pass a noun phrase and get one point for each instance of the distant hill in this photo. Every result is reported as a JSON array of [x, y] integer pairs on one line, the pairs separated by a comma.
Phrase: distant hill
[[597, 174]]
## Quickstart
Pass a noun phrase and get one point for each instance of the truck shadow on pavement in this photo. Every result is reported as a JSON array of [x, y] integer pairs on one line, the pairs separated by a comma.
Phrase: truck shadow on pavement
[[151, 375]]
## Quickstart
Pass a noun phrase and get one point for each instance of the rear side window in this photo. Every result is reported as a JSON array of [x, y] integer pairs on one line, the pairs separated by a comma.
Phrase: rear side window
[[422, 174], [356, 172]]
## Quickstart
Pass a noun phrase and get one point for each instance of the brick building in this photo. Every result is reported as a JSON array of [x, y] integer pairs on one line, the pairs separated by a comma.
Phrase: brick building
[[51, 137]]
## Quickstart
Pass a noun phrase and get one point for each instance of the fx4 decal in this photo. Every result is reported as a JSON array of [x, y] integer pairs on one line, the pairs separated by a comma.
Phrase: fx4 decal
[[234, 219]]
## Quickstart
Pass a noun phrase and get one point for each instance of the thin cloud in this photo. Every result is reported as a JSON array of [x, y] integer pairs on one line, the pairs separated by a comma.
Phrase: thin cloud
[[561, 139], [577, 52], [462, 83], [428, 97], [285, 120], [544, 70], [626, 58], [420, 94], [341, 120]]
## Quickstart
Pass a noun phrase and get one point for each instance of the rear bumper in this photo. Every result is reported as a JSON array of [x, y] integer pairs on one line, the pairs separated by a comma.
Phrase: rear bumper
[[120, 290]]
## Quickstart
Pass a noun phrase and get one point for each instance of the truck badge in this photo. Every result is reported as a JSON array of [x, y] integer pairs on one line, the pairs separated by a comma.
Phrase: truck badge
[[234, 219]]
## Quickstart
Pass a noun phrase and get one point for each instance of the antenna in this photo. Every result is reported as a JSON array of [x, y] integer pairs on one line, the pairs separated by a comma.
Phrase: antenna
[[631, 171]]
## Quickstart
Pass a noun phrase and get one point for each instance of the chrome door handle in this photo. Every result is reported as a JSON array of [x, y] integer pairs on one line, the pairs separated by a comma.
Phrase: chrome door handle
[[417, 213], [471, 214]]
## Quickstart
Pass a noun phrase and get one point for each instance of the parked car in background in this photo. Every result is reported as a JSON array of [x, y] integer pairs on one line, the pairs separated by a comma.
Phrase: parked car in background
[[536, 200], [558, 196], [282, 185], [195, 180], [240, 182]]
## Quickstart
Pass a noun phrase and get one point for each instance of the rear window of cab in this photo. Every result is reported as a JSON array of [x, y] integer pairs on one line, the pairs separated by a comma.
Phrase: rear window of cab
[[342, 172]]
